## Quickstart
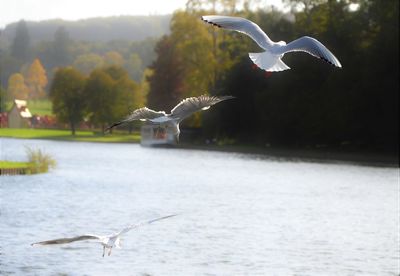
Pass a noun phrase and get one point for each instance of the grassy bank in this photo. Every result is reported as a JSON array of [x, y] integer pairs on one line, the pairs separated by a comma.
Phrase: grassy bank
[[13, 165], [65, 135]]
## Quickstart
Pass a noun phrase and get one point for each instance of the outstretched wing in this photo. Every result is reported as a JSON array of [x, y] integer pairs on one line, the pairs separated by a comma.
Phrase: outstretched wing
[[67, 240], [313, 47], [132, 226], [242, 25], [142, 114], [191, 105]]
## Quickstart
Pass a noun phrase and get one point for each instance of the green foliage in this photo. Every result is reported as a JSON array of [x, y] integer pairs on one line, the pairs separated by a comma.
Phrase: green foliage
[[110, 95], [40, 162], [66, 94], [3, 99], [86, 63]]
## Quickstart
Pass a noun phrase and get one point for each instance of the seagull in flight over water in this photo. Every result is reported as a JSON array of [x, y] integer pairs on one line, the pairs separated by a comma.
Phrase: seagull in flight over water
[[270, 60], [181, 111], [108, 241]]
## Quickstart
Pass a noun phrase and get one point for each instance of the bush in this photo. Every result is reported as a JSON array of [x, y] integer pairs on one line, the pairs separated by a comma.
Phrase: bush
[[40, 162]]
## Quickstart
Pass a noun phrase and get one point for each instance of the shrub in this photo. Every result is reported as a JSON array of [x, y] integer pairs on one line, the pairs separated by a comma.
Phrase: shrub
[[40, 162]]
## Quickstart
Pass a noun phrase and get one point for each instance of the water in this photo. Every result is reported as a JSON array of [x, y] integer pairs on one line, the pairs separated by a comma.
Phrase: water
[[238, 214]]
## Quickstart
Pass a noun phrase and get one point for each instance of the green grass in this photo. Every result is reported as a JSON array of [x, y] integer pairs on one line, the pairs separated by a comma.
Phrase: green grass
[[40, 107], [65, 135], [13, 165]]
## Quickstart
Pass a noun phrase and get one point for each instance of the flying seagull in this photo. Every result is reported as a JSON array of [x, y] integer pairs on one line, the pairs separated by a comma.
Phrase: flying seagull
[[108, 241], [181, 111], [270, 60]]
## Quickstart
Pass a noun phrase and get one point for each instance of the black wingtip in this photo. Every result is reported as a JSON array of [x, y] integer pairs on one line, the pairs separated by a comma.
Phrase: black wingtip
[[228, 97], [112, 126], [328, 61], [212, 23]]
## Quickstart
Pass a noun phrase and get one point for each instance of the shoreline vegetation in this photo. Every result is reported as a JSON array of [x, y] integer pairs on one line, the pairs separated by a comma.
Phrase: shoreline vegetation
[[38, 162], [325, 154]]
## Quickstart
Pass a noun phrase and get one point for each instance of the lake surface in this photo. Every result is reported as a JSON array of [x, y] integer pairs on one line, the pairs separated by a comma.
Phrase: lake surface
[[239, 214]]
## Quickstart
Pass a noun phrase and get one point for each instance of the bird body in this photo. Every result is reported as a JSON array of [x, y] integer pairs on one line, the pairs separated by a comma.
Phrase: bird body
[[270, 60], [107, 241], [181, 111]]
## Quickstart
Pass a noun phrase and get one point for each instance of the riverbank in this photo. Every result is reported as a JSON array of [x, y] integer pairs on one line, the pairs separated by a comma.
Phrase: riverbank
[[310, 154], [14, 168], [65, 135], [320, 155]]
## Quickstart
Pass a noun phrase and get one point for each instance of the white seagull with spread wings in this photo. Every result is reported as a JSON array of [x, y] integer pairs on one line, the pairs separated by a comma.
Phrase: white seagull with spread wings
[[181, 111], [270, 60], [108, 241]]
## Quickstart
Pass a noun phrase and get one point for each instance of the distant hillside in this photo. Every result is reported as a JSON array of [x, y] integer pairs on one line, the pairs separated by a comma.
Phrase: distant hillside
[[131, 28]]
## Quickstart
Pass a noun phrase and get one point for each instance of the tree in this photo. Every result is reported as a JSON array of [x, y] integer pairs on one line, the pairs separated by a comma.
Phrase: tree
[[20, 44], [113, 58], [17, 88], [166, 82], [110, 95], [134, 67], [86, 63], [61, 47], [66, 94], [36, 80], [3, 98]]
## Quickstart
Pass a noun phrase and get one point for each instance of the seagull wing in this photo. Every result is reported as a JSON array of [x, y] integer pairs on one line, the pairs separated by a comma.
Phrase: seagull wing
[[191, 105], [132, 226], [142, 114], [241, 25], [313, 47], [68, 240]]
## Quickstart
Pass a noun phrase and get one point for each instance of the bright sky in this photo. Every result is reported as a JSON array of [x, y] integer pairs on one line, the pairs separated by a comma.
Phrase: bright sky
[[15, 10]]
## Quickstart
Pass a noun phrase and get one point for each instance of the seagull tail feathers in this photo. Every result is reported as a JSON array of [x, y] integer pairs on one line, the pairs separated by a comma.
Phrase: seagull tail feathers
[[268, 62]]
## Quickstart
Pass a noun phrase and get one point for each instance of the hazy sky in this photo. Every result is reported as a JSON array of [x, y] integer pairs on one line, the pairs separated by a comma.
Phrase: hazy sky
[[14, 10]]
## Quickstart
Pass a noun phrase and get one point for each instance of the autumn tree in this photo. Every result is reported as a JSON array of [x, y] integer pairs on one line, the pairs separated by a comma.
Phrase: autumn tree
[[66, 94], [17, 89], [36, 80]]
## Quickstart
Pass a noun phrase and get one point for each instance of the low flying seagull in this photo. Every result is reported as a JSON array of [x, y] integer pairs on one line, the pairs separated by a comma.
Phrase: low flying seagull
[[108, 241], [181, 111], [270, 60]]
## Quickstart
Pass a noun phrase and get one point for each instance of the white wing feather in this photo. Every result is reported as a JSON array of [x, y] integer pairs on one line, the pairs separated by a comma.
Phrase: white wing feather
[[142, 114], [242, 25], [133, 226], [313, 47], [191, 105]]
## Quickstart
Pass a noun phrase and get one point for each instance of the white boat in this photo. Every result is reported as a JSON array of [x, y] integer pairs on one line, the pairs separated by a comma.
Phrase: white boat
[[156, 135]]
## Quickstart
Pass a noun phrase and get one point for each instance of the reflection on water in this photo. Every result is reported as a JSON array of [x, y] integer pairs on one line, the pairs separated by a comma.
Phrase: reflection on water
[[238, 215]]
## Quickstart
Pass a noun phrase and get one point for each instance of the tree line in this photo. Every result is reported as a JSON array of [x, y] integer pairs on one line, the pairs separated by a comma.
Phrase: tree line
[[312, 104], [63, 50], [103, 97]]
